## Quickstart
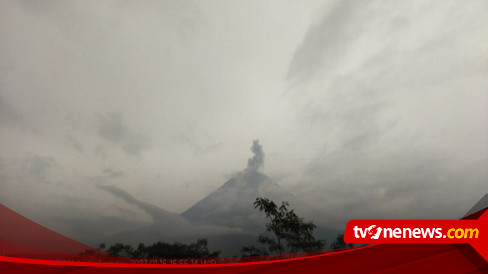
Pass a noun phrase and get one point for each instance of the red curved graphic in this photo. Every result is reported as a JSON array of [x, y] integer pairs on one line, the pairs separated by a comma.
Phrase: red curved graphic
[[29, 247]]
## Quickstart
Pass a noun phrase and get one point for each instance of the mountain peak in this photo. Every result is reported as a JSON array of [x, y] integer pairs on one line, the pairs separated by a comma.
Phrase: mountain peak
[[232, 204]]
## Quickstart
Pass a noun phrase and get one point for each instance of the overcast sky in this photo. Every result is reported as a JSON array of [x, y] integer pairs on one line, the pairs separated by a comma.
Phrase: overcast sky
[[366, 108]]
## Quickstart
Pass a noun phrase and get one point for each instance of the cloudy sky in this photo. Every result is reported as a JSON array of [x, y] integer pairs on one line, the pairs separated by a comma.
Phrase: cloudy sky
[[374, 109]]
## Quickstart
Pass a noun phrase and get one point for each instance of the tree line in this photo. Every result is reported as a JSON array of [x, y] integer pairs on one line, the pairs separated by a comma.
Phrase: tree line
[[285, 233]]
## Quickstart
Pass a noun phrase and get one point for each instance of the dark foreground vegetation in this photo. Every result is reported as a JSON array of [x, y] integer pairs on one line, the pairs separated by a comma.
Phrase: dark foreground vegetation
[[285, 232]]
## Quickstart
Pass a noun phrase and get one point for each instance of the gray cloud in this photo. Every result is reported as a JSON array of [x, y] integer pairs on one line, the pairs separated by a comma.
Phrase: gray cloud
[[113, 129], [111, 173], [371, 88], [158, 214], [11, 116], [380, 118], [166, 225], [326, 42], [76, 144], [8, 115], [190, 139], [38, 166]]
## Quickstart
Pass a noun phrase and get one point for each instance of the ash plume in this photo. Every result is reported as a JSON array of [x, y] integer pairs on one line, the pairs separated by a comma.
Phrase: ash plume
[[257, 161]]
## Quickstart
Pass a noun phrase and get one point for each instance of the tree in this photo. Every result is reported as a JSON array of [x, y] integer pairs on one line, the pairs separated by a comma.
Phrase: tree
[[177, 250], [339, 243], [286, 232]]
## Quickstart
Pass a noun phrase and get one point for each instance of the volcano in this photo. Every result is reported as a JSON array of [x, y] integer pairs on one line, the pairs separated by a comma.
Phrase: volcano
[[231, 204]]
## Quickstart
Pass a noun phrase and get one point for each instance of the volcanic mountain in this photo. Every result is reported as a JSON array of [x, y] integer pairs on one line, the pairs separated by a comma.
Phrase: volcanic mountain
[[231, 204]]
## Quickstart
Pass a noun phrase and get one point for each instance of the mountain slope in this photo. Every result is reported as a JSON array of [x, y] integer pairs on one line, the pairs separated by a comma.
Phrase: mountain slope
[[231, 204]]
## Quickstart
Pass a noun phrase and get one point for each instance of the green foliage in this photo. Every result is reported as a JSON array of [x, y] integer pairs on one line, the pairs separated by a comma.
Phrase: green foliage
[[177, 250], [289, 233]]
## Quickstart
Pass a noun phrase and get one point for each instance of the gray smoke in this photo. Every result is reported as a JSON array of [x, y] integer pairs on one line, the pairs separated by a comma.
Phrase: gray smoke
[[257, 161], [158, 215]]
